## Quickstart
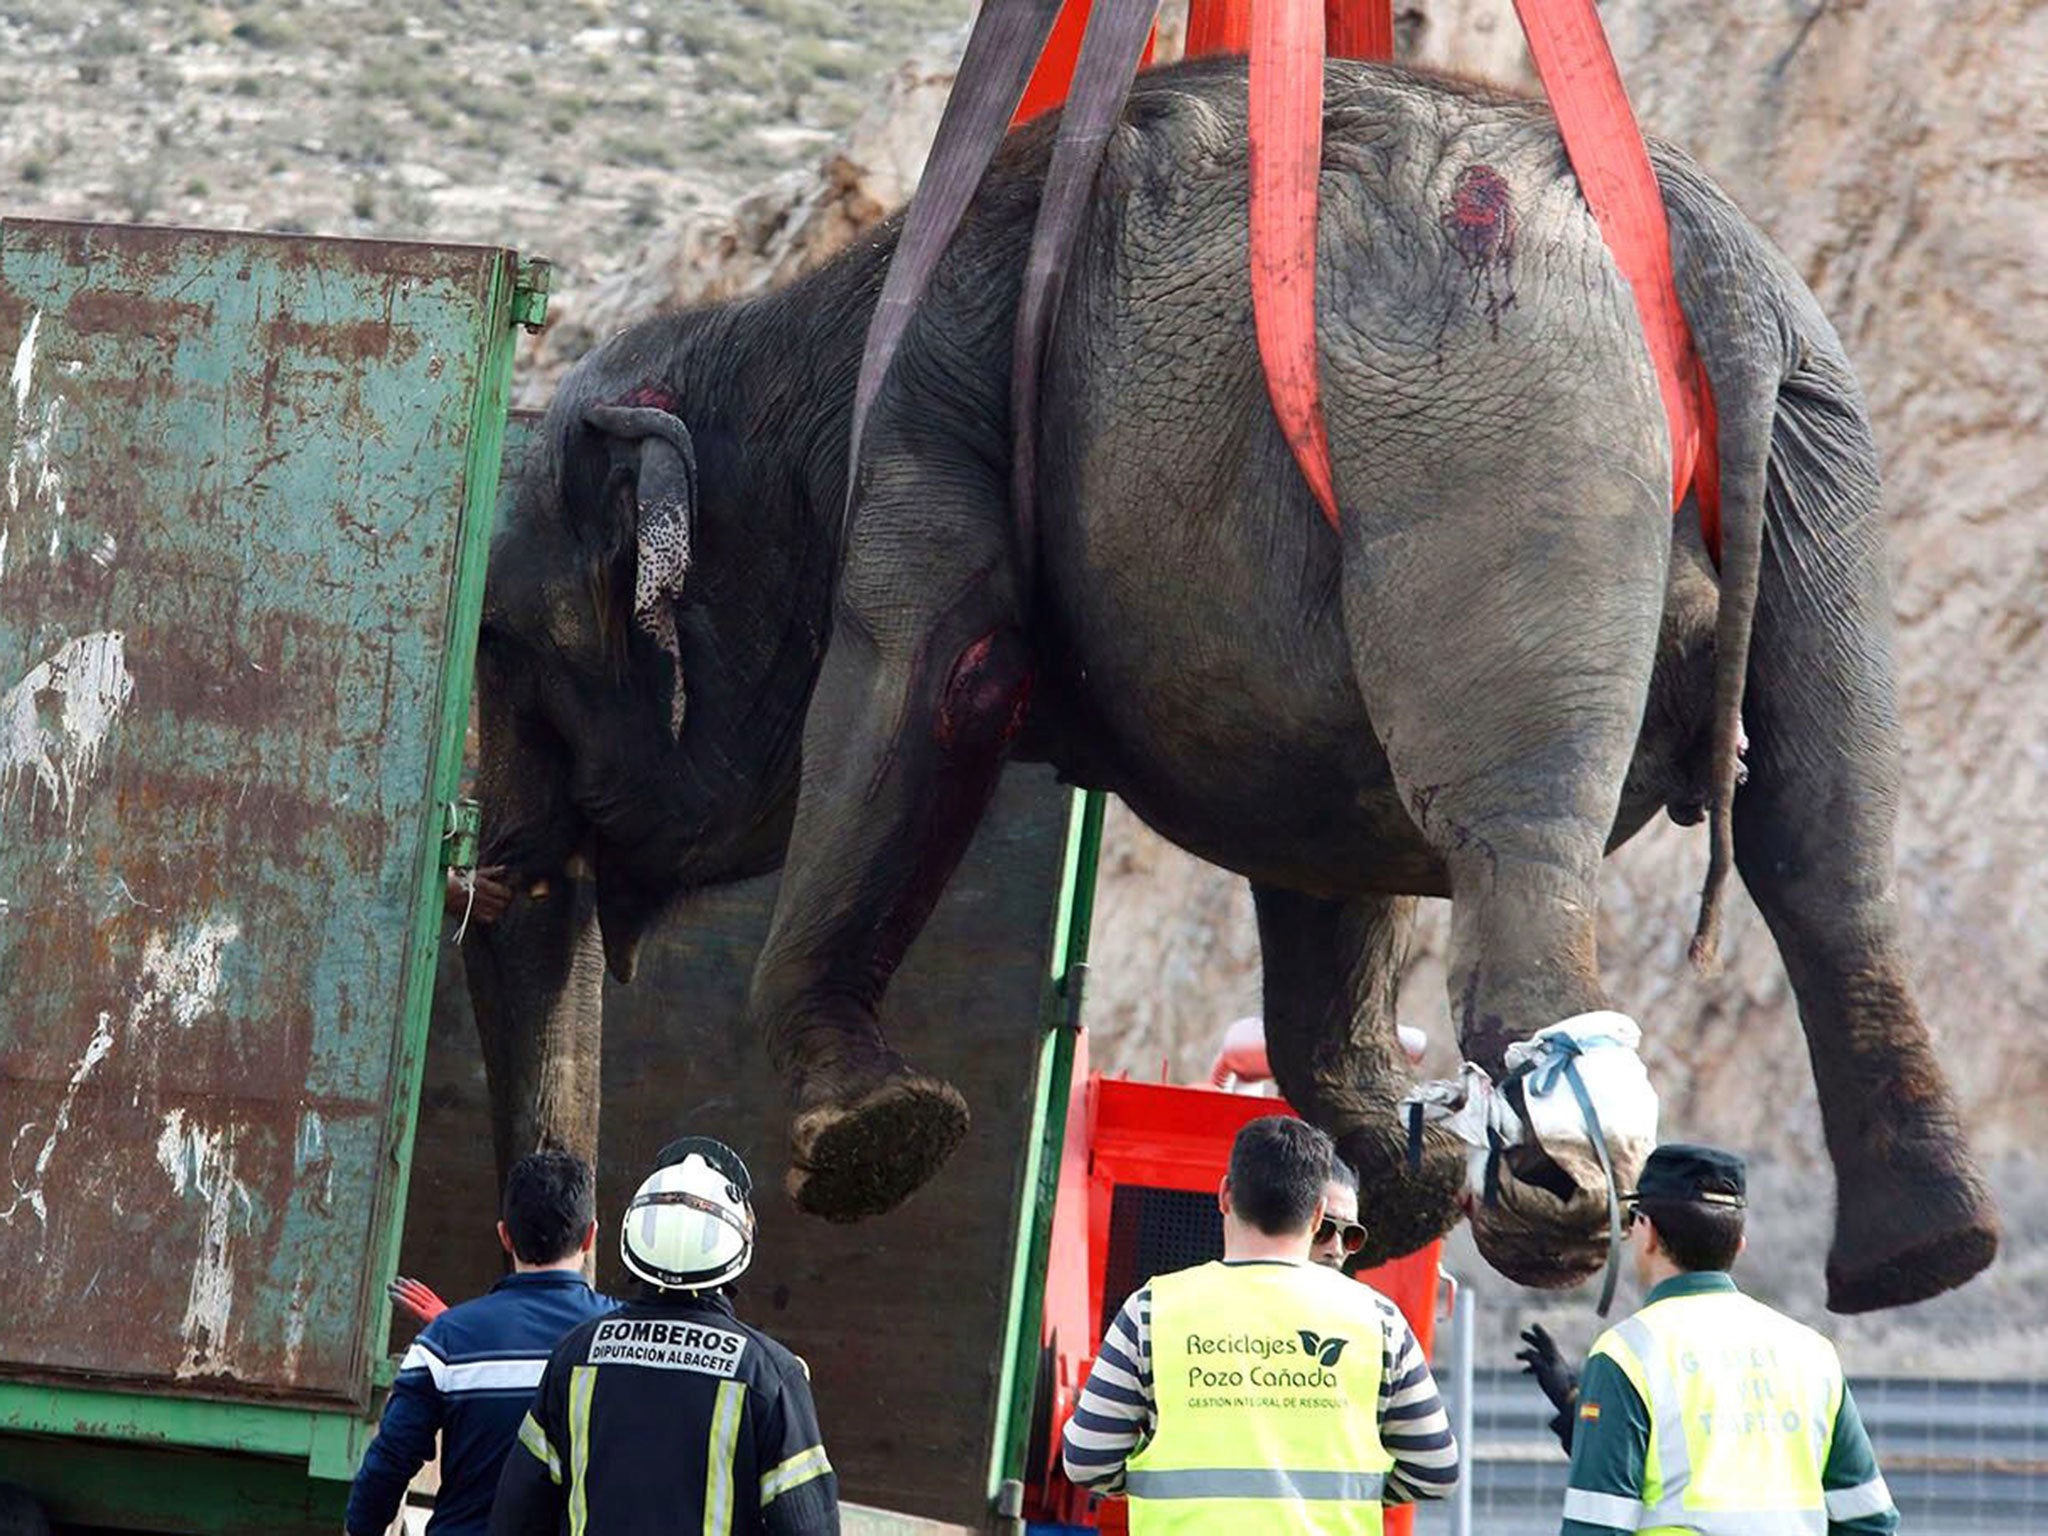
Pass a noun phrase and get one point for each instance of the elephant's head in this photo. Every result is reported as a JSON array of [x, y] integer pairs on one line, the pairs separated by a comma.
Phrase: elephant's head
[[1541, 1227], [649, 637], [653, 620]]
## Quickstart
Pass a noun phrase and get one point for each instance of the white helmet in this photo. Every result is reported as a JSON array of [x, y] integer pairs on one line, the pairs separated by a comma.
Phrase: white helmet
[[690, 1225]]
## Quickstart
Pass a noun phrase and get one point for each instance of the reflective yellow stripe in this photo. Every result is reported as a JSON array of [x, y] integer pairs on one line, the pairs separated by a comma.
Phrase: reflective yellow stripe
[[803, 1467], [582, 1383], [535, 1439], [1255, 1483], [1667, 1465], [725, 1439]]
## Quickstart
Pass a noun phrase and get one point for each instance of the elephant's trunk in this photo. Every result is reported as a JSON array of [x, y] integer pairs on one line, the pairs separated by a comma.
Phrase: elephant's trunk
[[1412, 1201], [536, 982], [536, 976]]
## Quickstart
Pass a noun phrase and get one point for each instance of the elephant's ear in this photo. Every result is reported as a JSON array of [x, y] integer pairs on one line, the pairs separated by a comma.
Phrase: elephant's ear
[[664, 506]]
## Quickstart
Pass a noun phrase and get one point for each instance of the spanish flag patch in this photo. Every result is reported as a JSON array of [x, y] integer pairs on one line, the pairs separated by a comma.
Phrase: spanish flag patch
[[1589, 1411]]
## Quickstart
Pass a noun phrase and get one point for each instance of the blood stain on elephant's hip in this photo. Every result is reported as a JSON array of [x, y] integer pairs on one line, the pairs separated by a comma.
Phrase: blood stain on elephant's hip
[[1479, 218]]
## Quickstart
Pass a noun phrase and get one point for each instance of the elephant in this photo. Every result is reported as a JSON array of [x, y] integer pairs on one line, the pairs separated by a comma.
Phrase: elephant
[[1507, 657]]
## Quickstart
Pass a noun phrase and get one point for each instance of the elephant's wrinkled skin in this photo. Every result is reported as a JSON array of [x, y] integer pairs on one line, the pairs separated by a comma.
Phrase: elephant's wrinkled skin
[[1502, 666]]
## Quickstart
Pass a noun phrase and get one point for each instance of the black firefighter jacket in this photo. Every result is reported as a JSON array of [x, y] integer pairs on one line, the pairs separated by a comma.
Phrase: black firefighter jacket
[[669, 1416]]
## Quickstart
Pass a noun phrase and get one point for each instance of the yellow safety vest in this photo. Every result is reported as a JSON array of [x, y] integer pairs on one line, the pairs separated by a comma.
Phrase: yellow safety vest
[[1266, 1378], [1742, 1404]]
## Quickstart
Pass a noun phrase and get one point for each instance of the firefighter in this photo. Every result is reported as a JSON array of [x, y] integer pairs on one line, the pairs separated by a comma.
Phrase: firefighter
[[1707, 1412], [1264, 1393], [671, 1415]]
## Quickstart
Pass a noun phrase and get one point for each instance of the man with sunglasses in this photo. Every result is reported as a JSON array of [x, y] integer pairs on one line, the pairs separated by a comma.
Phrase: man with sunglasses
[[1262, 1393], [1707, 1412], [1338, 1234]]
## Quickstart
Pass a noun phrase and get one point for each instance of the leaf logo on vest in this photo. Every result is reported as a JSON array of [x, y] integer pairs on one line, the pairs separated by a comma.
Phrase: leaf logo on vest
[[1326, 1351], [667, 1346], [1263, 1361]]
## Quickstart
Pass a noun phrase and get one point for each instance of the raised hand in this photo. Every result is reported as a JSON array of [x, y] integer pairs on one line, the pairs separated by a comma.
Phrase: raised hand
[[1560, 1383], [419, 1300]]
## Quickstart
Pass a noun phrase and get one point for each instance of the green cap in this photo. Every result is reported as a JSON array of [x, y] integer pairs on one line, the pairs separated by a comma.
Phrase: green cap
[[1702, 1175]]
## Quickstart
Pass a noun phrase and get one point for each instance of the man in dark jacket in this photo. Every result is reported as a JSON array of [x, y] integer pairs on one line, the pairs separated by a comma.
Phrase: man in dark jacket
[[471, 1372], [671, 1415]]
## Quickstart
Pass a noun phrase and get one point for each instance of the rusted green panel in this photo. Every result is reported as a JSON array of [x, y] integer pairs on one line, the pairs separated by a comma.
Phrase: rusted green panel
[[157, 1490], [247, 484]]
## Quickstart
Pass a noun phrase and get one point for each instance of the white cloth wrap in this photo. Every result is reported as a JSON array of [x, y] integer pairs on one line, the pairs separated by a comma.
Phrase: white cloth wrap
[[1469, 1106]]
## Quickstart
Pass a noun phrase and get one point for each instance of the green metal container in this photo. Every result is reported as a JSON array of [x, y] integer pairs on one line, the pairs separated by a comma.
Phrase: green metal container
[[248, 488]]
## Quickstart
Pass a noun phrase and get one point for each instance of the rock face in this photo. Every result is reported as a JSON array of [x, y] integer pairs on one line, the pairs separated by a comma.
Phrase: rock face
[[1893, 154], [1899, 155]]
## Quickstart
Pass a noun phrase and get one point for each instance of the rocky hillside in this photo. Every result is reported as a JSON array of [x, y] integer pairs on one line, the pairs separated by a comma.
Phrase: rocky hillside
[[1899, 155], [1896, 151], [569, 130]]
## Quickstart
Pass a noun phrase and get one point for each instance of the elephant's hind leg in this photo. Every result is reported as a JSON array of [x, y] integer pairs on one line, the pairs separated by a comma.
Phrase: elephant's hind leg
[[1502, 601], [1813, 842]]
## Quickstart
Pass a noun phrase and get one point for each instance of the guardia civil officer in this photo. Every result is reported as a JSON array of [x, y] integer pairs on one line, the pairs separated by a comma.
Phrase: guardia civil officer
[[671, 1415], [1265, 1393], [1707, 1412]]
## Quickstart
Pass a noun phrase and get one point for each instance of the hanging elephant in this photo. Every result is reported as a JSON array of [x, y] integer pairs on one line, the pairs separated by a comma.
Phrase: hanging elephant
[[1501, 664]]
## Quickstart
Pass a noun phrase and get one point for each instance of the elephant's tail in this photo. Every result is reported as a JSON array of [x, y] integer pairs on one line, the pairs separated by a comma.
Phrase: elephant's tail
[[1746, 412], [1793, 438]]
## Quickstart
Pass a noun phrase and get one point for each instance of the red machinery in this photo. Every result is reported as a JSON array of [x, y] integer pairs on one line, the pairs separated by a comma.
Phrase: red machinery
[[1137, 1197]]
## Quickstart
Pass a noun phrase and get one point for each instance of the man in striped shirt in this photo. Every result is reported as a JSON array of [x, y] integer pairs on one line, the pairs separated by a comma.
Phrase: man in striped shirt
[[1264, 1392]]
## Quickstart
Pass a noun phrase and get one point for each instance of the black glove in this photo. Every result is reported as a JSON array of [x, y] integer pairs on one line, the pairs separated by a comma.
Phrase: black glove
[[1560, 1383]]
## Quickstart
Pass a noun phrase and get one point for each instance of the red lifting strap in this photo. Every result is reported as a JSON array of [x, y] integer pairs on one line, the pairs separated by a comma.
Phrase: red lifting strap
[[1286, 131], [1054, 75], [1285, 39], [1613, 165], [1355, 29]]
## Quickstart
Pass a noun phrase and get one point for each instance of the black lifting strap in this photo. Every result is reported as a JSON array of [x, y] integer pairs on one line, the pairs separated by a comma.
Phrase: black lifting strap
[[1001, 52], [1571, 1075]]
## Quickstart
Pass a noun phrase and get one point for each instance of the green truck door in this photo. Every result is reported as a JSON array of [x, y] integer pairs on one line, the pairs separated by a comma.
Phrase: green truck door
[[248, 482]]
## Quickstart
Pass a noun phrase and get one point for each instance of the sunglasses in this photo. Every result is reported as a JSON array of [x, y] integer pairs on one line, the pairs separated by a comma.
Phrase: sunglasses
[[1348, 1233]]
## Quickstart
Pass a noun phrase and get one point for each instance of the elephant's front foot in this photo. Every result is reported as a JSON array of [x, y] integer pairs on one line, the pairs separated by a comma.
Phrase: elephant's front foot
[[1909, 1225], [867, 1133]]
